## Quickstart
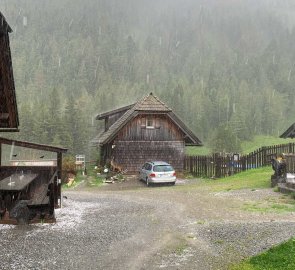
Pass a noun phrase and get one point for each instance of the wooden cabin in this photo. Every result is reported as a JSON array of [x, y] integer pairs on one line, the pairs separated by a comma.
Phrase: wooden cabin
[[145, 131], [8, 106]]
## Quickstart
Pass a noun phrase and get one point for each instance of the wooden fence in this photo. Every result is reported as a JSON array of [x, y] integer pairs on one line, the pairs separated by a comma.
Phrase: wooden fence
[[221, 166]]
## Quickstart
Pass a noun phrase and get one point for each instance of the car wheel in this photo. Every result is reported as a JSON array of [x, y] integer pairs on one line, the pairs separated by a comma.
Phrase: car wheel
[[147, 182]]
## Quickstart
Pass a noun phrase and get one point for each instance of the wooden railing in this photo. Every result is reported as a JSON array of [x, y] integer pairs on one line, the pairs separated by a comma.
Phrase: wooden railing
[[225, 165]]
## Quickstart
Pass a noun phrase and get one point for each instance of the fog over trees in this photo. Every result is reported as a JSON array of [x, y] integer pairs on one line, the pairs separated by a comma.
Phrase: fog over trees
[[228, 63]]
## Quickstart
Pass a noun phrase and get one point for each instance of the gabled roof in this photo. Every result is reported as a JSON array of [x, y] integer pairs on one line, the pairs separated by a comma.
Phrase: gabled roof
[[151, 103], [148, 104], [8, 107], [289, 133]]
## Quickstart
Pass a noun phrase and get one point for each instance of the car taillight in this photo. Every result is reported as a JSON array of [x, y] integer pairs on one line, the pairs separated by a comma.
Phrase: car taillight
[[152, 175], [174, 174]]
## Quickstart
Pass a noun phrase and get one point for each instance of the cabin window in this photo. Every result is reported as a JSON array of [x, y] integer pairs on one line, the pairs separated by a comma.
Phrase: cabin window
[[150, 123]]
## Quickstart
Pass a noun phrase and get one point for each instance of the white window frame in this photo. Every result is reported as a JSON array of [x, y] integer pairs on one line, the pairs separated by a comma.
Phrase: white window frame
[[152, 120]]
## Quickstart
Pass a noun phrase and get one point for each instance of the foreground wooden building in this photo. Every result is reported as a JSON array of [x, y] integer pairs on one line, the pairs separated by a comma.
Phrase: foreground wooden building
[[28, 193], [8, 107], [145, 131]]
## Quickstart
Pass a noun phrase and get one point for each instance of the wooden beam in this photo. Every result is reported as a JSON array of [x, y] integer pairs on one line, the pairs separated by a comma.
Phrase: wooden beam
[[58, 181], [0, 154], [9, 129], [44, 147]]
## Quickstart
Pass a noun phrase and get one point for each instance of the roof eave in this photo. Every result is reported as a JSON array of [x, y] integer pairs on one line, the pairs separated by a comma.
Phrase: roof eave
[[194, 139], [4, 24], [9, 130], [289, 131], [36, 146], [153, 112], [193, 144], [102, 116]]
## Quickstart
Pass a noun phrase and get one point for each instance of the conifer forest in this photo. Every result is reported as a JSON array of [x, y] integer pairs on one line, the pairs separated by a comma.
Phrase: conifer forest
[[219, 64]]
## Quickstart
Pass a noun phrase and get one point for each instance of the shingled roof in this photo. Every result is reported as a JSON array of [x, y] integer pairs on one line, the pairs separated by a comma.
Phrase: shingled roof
[[8, 107], [149, 103]]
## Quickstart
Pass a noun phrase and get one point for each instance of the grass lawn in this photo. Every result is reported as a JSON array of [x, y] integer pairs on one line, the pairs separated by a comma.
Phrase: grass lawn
[[251, 179], [247, 146], [93, 180], [197, 150], [281, 257], [259, 141]]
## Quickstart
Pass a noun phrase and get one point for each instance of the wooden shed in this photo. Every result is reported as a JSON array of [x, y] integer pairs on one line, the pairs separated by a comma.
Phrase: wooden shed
[[28, 193], [8, 106], [145, 131]]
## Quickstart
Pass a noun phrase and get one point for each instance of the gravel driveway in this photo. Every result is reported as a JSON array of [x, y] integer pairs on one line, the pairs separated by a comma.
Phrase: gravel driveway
[[130, 226]]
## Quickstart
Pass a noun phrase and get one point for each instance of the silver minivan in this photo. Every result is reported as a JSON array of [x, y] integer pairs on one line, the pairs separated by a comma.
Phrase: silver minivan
[[157, 172]]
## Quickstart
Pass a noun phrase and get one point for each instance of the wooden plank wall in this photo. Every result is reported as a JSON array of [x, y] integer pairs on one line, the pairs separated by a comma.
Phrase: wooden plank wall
[[223, 166], [7, 104], [164, 129], [131, 155]]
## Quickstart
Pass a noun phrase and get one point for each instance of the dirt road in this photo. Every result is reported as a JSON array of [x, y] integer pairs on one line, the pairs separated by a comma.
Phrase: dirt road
[[130, 226]]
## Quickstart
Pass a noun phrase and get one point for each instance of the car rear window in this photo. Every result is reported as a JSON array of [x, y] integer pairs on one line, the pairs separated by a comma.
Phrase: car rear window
[[163, 168]]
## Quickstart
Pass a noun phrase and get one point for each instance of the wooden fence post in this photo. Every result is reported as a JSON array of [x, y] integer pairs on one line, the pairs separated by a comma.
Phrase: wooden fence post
[[290, 147], [263, 155], [218, 167]]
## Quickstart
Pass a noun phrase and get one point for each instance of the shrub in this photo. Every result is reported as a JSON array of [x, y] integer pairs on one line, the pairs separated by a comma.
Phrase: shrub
[[68, 166]]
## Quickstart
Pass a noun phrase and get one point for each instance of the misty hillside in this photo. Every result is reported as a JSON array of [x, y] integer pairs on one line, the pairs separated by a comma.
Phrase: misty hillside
[[228, 62]]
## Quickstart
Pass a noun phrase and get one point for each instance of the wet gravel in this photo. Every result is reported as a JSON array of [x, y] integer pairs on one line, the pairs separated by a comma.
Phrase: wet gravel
[[217, 245], [146, 228], [86, 229]]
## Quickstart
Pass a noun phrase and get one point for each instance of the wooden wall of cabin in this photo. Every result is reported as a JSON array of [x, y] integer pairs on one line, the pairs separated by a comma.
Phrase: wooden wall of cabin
[[163, 129], [131, 155], [105, 154]]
